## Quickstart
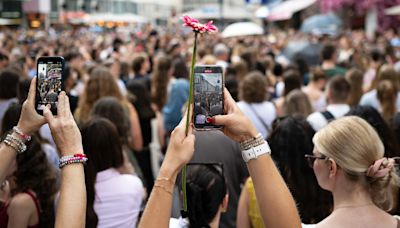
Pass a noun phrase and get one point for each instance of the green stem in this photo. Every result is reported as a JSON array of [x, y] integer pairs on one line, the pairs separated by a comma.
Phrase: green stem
[[190, 100]]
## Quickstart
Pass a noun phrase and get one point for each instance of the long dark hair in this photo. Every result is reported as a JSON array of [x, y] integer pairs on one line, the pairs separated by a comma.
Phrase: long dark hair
[[102, 147], [111, 109], [34, 172], [206, 189], [160, 81], [290, 141], [142, 102], [374, 118]]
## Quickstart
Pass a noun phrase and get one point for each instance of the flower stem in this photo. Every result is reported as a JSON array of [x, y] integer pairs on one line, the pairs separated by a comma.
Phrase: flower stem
[[189, 104]]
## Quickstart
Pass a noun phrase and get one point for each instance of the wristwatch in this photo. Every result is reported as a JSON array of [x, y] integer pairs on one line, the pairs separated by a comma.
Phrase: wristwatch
[[254, 147]]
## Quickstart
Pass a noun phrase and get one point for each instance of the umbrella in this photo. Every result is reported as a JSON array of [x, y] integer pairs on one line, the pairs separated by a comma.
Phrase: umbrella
[[320, 24], [242, 29], [262, 12], [305, 50], [213, 12], [286, 9], [395, 10]]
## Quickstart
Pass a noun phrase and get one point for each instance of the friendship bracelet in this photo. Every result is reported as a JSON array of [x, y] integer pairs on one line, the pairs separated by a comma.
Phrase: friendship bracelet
[[72, 159], [26, 137], [163, 187], [75, 156]]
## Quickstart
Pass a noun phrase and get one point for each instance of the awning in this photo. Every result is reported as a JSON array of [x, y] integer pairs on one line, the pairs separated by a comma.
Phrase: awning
[[395, 10], [108, 17], [213, 12], [5, 21], [286, 9]]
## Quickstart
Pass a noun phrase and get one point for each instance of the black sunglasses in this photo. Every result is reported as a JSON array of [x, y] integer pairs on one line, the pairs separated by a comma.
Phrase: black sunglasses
[[311, 158]]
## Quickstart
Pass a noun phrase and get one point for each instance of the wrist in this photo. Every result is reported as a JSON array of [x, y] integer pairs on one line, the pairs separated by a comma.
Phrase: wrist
[[24, 129], [71, 151], [168, 172], [250, 134]]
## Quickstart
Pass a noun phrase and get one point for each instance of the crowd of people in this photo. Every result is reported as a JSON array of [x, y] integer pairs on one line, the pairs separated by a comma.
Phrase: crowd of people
[[325, 133]]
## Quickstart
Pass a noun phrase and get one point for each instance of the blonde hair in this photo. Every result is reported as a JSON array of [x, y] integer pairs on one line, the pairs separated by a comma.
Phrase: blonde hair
[[297, 102], [355, 146]]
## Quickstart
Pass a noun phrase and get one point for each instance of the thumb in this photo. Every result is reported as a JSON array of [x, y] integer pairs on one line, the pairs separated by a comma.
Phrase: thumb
[[48, 115]]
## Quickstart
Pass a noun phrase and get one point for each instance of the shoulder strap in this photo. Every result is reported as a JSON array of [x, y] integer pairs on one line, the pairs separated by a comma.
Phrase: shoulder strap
[[328, 115], [34, 200], [259, 117], [398, 223]]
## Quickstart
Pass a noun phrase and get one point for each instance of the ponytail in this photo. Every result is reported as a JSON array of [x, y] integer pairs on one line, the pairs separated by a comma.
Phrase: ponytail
[[387, 95]]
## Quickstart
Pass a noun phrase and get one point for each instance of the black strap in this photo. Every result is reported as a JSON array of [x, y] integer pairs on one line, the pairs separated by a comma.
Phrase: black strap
[[328, 115], [259, 118]]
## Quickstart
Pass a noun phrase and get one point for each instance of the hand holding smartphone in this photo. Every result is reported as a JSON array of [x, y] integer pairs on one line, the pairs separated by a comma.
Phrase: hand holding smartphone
[[208, 96], [49, 83]]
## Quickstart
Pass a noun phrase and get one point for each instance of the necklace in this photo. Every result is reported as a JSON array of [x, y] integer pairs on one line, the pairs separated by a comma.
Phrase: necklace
[[353, 206]]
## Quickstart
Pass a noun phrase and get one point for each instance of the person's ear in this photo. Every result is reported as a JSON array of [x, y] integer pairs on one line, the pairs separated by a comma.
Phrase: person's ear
[[224, 204], [333, 168]]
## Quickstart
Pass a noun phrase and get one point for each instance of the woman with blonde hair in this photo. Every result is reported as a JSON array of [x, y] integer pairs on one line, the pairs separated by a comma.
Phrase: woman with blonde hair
[[102, 84], [356, 172], [387, 96], [297, 102], [355, 78]]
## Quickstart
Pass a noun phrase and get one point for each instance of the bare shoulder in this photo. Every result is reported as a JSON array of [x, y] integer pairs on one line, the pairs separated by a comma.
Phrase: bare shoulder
[[21, 202]]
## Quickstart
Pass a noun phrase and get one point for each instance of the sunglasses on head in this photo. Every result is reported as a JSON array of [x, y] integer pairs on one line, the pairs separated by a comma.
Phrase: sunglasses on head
[[311, 158]]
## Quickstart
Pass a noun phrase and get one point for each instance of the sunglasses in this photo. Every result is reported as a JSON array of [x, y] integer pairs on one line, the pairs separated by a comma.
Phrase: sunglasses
[[311, 158]]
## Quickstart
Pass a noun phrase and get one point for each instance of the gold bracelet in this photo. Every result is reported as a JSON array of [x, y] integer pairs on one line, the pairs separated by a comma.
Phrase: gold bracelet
[[165, 179], [163, 187]]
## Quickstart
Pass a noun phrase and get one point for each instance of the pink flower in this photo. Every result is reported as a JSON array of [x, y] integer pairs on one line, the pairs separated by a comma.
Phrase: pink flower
[[197, 26]]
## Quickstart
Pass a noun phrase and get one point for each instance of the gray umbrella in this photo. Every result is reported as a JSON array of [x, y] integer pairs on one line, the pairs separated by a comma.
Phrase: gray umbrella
[[309, 53]]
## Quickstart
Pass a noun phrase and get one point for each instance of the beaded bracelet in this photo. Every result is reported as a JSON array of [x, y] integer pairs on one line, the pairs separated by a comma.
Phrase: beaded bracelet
[[72, 159], [15, 143], [24, 136]]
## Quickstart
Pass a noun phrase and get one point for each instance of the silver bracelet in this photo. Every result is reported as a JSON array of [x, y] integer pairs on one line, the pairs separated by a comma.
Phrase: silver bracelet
[[15, 143], [252, 142]]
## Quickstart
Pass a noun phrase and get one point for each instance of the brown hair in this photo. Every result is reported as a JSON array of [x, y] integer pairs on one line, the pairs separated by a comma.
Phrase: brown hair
[[297, 102], [355, 78], [292, 81], [339, 89], [317, 74], [100, 84], [241, 69], [387, 94], [252, 89], [387, 72], [160, 81]]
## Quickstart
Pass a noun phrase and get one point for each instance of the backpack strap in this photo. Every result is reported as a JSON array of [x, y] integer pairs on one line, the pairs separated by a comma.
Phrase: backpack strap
[[328, 115]]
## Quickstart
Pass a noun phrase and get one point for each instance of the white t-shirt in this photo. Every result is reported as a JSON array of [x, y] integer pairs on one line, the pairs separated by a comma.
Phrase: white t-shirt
[[178, 223], [318, 121], [371, 99], [260, 114], [118, 199]]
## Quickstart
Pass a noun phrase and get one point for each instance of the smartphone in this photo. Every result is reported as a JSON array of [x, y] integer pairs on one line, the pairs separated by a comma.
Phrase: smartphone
[[49, 82], [208, 96]]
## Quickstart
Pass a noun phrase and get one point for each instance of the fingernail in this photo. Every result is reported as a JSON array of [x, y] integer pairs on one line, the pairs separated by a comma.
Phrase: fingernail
[[210, 120]]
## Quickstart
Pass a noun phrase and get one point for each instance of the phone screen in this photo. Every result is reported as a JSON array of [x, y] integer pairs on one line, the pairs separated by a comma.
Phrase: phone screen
[[208, 95], [49, 82]]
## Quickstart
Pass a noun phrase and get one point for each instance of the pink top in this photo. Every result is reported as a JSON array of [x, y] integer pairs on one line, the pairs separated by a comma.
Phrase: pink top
[[118, 199]]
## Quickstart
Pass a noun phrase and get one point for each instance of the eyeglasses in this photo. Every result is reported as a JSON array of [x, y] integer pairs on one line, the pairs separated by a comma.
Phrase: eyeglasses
[[311, 158]]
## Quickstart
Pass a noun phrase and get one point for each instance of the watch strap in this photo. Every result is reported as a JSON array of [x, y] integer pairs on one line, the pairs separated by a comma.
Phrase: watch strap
[[255, 152]]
